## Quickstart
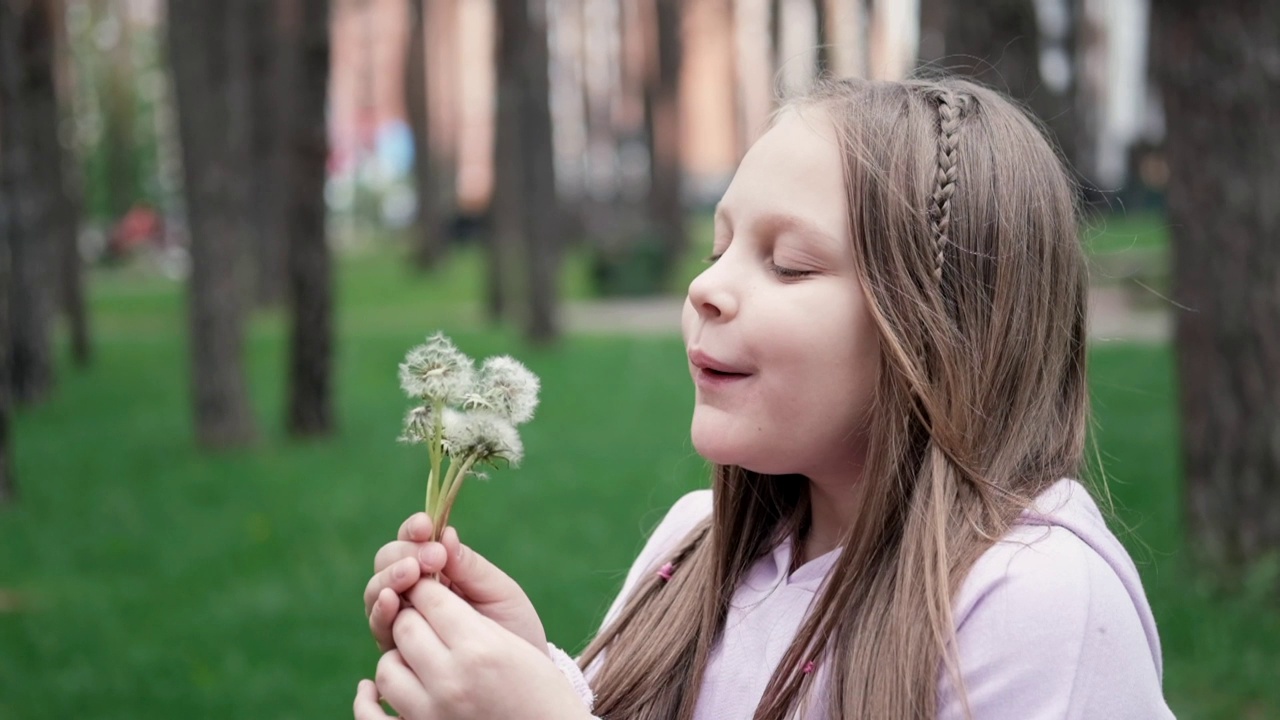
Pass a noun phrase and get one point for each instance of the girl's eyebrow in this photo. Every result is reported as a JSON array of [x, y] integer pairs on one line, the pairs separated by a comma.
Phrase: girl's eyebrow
[[780, 222]]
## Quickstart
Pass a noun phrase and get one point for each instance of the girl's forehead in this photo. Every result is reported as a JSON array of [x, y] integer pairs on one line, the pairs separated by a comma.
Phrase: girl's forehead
[[795, 167]]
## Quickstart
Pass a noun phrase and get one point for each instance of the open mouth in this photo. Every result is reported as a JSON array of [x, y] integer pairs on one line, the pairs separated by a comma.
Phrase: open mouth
[[723, 374]]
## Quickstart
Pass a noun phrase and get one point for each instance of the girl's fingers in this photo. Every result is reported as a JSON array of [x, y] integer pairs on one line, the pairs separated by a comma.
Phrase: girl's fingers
[[399, 577], [417, 528], [473, 576], [432, 554], [366, 705], [381, 617], [400, 687], [449, 618], [419, 644]]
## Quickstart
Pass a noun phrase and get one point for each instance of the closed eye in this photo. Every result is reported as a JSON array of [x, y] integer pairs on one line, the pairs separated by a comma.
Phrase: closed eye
[[788, 273]]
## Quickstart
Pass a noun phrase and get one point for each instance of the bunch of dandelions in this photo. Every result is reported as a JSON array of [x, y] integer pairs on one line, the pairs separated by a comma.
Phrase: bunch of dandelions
[[466, 415]]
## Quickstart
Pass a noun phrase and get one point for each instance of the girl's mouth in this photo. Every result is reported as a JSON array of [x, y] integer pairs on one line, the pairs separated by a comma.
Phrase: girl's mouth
[[707, 378]]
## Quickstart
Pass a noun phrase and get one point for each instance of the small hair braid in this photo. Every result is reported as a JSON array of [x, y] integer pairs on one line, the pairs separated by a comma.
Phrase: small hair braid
[[949, 115]]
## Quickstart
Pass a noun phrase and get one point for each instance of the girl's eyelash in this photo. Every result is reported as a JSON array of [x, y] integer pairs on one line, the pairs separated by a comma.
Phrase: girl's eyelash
[[788, 273], [782, 272]]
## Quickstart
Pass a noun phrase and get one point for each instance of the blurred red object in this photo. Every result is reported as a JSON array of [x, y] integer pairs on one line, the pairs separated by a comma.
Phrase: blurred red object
[[142, 226]]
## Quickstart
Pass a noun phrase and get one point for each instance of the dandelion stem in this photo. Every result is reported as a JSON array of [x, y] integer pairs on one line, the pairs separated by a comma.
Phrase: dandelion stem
[[454, 485], [437, 452]]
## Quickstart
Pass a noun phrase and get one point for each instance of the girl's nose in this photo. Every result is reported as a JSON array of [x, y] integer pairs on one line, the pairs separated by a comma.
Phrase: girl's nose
[[711, 294]]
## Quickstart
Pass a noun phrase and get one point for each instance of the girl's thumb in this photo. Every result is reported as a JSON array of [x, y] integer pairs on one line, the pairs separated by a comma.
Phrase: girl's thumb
[[478, 579]]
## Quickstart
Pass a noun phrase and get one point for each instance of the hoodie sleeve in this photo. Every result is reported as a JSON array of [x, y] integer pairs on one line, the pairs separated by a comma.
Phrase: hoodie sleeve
[[1047, 628]]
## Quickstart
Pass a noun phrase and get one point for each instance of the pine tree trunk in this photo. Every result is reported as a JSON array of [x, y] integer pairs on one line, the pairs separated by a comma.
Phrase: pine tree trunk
[[662, 116], [38, 191], [119, 113], [10, 172], [310, 262], [208, 54], [506, 236], [822, 32], [527, 213], [933, 31], [270, 86], [541, 209], [430, 232], [71, 275], [1221, 91], [997, 42]]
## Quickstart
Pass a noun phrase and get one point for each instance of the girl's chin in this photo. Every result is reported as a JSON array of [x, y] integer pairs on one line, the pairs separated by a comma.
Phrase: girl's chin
[[718, 449]]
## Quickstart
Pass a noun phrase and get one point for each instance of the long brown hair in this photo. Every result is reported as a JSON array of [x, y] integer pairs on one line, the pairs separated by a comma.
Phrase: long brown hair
[[964, 229]]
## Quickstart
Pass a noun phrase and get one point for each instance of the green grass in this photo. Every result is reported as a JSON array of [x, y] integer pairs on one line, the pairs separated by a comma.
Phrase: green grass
[[157, 581]]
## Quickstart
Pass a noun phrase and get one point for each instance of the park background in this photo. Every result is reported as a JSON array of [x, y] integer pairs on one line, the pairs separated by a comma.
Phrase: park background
[[222, 224]]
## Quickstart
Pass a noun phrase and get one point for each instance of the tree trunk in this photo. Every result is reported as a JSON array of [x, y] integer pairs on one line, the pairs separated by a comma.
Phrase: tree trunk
[[270, 86], [310, 264], [506, 236], [529, 210], [119, 111], [775, 38], [822, 31], [38, 192], [208, 54], [1217, 74], [662, 120], [933, 31], [11, 154], [998, 43], [430, 232], [71, 276]]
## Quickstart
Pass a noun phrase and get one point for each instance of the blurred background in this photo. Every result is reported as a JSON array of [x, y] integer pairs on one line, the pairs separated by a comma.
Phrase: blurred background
[[223, 223]]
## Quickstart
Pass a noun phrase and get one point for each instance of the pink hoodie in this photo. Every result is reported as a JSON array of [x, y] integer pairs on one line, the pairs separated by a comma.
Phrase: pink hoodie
[[1051, 622]]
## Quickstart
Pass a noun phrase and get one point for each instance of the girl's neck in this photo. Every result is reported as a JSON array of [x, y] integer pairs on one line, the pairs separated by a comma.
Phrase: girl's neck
[[832, 509]]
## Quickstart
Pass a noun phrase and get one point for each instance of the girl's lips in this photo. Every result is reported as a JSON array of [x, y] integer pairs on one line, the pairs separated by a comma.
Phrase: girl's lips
[[711, 379]]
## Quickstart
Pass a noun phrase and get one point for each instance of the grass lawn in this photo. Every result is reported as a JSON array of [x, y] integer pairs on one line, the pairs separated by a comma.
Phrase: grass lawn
[[154, 581]]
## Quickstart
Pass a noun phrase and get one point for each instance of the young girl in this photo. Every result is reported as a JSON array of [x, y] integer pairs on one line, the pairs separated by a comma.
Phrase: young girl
[[888, 351]]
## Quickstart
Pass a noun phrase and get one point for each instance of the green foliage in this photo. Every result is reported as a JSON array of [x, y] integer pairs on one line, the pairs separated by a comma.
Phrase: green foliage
[[153, 581]]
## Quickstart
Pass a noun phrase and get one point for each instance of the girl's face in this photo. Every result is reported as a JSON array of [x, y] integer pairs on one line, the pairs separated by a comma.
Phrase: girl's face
[[781, 345]]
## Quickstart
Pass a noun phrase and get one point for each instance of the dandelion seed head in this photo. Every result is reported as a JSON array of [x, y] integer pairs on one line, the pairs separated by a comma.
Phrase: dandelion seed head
[[505, 387], [438, 371], [485, 434], [419, 425]]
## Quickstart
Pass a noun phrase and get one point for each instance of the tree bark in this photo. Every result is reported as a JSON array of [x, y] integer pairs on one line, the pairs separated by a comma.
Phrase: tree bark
[[662, 124], [71, 275], [270, 86], [933, 31], [997, 42], [529, 210], [119, 115], [430, 238], [208, 54], [310, 264], [36, 157], [775, 38], [1217, 72], [506, 238], [12, 155], [822, 33]]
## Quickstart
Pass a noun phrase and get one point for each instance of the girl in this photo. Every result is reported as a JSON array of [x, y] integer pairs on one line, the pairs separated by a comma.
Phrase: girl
[[888, 351]]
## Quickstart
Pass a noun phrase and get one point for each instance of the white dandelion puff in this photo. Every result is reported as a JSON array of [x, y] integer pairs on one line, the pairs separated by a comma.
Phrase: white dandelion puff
[[505, 387], [485, 436], [438, 372], [419, 425]]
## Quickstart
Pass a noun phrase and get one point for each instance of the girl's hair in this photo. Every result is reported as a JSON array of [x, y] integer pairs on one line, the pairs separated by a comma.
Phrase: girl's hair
[[964, 230]]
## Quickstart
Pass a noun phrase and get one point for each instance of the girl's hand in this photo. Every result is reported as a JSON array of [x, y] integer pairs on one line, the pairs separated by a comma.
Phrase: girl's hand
[[452, 663], [399, 565]]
